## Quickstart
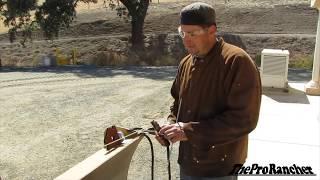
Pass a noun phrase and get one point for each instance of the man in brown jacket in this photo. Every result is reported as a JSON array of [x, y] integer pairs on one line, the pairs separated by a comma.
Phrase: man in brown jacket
[[217, 96]]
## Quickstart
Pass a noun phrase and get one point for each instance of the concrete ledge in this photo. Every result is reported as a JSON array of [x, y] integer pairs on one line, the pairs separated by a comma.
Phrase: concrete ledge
[[112, 164], [312, 88]]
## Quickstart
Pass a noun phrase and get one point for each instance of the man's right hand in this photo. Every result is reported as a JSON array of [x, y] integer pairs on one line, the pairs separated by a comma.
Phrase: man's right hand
[[161, 139], [172, 132]]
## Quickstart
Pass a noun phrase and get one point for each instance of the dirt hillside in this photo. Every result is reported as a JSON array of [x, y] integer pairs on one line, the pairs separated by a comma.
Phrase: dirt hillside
[[254, 17], [286, 24], [242, 16]]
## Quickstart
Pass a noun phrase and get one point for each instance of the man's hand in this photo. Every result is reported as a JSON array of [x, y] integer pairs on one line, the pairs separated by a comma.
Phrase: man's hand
[[172, 132], [161, 139]]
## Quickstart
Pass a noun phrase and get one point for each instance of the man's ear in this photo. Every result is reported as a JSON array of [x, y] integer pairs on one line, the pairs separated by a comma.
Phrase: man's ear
[[212, 29]]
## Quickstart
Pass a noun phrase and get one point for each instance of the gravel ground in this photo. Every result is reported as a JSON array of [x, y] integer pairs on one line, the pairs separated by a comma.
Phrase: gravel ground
[[51, 119]]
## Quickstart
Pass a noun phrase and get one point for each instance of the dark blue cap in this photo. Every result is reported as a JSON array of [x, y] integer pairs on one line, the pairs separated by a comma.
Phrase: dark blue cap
[[198, 14]]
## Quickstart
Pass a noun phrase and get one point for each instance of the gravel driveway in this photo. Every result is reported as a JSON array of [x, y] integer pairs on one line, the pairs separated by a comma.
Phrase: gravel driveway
[[53, 118]]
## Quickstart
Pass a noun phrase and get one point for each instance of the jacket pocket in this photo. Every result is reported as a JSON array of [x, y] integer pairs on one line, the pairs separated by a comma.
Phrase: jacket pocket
[[211, 155]]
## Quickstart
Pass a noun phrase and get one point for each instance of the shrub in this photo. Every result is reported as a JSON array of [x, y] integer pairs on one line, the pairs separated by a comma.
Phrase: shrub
[[301, 62], [257, 60]]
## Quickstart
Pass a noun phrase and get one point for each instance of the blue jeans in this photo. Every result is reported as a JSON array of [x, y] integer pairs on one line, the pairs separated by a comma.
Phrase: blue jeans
[[183, 176]]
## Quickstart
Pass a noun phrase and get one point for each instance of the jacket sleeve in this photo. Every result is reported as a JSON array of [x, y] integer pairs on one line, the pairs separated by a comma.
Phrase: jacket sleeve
[[242, 86]]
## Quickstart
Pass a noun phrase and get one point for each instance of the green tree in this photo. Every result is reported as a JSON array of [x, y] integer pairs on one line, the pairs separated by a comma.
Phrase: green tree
[[53, 15], [137, 11], [16, 15]]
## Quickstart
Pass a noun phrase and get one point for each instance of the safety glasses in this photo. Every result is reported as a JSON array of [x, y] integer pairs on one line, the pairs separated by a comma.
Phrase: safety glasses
[[191, 34]]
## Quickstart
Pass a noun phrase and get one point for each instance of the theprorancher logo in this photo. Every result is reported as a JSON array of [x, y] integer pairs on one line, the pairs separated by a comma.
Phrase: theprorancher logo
[[272, 170]]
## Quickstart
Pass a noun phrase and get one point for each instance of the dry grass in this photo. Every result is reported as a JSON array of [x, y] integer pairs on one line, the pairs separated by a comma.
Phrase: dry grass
[[301, 62]]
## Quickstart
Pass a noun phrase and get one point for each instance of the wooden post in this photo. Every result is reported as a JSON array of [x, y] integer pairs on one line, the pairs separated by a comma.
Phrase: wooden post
[[313, 87]]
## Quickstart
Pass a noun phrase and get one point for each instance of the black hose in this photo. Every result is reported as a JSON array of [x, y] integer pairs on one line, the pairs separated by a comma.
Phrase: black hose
[[152, 158], [152, 155], [168, 159]]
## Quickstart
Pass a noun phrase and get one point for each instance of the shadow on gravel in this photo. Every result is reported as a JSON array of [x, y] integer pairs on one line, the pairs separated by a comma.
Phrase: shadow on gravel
[[299, 75], [156, 73]]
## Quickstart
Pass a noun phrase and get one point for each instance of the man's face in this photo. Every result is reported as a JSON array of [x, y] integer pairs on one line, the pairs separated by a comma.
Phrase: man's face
[[196, 39]]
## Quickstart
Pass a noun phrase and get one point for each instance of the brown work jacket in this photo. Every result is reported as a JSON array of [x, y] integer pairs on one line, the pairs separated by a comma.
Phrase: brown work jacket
[[219, 97]]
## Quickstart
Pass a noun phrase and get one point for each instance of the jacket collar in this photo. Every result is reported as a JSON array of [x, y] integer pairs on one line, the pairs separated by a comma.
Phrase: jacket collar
[[214, 51]]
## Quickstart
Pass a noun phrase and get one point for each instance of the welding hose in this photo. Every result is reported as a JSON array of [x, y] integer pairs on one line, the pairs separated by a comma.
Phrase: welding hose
[[168, 160], [152, 157], [151, 131]]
